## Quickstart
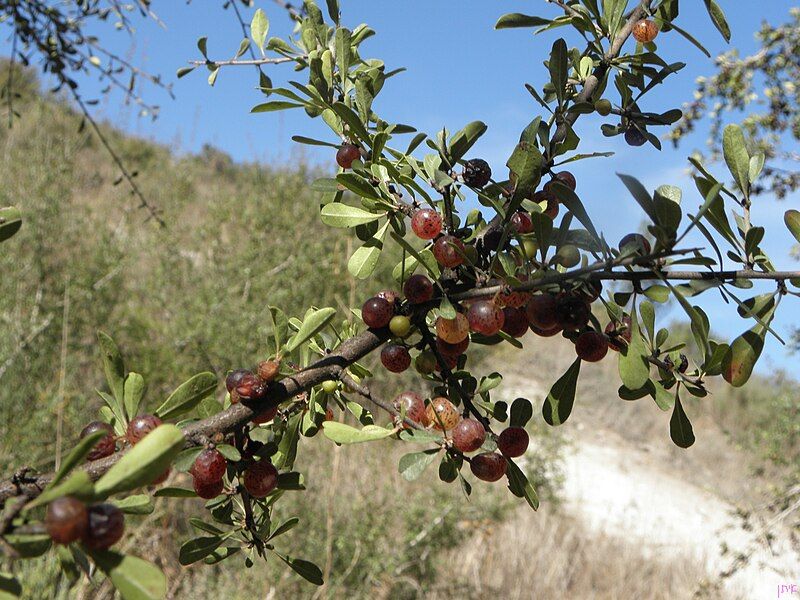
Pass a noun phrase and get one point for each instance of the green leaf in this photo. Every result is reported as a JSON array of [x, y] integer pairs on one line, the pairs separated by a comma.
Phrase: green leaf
[[413, 465], [188, 395], [558, 68], [525, 165], [114, 368], [139, 504], [313, 324], [521, 412], [174, 492], [792, 220], [734, 150], [691, 39], [337, 214], [514, 20], [133, 392], [229, 452], [306, 569], [343, 43], [345, 434], [634, 370], [462, 141], [10, 222], [680, 428], [134, 578], [259, 27], [356, 127], [756, 166], [333, 10], [198, 548], [641, 195], [143, 463], [9, 587], [76, 456], [29, 545], [718, 18], [742, 355], [287, 525], [558, 404], [519, 485], [274, 106], [365, 259], [79, 485]]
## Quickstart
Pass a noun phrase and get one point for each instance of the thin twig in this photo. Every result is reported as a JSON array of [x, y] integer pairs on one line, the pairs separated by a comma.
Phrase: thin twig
[[117, 160], [364, 391]]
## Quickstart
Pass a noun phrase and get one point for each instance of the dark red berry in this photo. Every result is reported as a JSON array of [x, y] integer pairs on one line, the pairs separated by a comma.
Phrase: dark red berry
[[485, 317], [452, 350], [107, 444], [260, 479], [346, 154], [442, 414], [251, 387], [541, 311], [377, 313], [635, 137], [513, 441], [162, 478], [209, 466], [234, 378], [265, 417], [140, 426], [515, 322], [571, 312], [208, 490], [477, 173], [267, 370], [591, 346], [426, 223], [568, 179], [418, 289], [552, 207], [546, 332], [468, 435], [66, 520], [521, 222], [395, 358], [489, 466], [635, 243], [448, 251], [414, 406], [106, 526], [492, 238]]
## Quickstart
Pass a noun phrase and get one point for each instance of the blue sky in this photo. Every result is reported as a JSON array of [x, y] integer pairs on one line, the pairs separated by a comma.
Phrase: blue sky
[[459, 69]]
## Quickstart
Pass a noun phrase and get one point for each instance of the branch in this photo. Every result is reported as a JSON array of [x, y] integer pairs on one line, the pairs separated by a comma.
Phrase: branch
[[329, 367], [241, 62]]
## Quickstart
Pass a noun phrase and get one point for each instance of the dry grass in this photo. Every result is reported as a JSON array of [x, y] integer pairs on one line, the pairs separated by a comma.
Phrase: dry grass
[[550, 555]]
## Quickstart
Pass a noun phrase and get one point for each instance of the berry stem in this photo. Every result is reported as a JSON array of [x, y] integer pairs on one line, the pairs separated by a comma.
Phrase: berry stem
[[364, 391]]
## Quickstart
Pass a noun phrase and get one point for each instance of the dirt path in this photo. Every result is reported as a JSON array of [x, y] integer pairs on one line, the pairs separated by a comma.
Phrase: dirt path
[[616, 490]]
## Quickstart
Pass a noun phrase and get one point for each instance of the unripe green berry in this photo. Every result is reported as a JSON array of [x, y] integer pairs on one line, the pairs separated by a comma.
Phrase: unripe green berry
[[400, 326], [425, 363], [330, 386], [603, 107], [568, 256]]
